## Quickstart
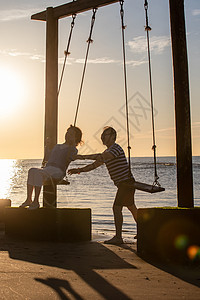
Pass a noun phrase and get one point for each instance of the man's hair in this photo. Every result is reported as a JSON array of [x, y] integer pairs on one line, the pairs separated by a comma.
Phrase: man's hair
[[111, 131], [78, 134]]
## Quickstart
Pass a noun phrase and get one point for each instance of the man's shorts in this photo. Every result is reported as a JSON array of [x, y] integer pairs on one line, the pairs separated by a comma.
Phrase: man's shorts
[[125, 193]]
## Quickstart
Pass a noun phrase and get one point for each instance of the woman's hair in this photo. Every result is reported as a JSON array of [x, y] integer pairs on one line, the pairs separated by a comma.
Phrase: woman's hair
[[111, 131], [78, 134]]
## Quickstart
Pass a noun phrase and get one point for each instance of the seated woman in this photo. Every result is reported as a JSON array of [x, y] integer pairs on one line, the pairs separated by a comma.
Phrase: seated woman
[[55, 168]]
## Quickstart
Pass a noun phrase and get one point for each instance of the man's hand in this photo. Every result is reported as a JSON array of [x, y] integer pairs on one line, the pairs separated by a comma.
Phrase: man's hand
[[73, 171]]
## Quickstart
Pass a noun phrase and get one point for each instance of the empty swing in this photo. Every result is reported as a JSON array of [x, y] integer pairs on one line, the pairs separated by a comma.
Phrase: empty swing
[[155, 187]]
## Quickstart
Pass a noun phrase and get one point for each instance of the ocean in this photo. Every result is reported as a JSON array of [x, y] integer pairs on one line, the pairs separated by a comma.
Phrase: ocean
[[95, 189]]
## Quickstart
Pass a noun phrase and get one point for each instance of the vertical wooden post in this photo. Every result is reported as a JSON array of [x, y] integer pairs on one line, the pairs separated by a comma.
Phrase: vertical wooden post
[[182, 105], [51, 99]]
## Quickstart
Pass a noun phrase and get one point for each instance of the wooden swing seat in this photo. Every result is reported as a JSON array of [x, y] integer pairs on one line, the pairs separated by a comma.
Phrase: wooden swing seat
[[148, 187], [57, 182]]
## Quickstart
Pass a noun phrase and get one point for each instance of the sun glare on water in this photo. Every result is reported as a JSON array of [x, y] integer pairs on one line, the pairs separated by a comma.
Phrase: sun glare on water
[[11, 92], [6, 174]]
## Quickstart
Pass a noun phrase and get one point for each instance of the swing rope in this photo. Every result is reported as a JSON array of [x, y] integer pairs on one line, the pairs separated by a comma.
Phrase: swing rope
[[148, 29], [125, 82], [66, 52], [89, 41]]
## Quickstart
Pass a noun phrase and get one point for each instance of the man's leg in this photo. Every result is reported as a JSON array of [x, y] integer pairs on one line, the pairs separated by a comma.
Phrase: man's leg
[[133, 210], [118, 218]]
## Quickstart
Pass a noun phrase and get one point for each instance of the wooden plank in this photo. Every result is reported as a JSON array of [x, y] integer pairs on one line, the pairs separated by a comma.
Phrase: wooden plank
[[148, 187], [182, 105], [51, 99], [71, 8], [55, 182]]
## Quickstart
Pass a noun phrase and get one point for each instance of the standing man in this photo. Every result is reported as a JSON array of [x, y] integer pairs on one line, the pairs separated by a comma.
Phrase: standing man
[[118, 168]]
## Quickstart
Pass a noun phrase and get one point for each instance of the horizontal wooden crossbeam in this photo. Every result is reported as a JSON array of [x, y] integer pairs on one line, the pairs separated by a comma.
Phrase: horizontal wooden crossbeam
[[71, 8]]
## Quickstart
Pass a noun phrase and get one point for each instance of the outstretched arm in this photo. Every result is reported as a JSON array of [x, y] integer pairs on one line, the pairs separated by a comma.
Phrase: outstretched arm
[[87, 168], [89, 156], [101, 157]]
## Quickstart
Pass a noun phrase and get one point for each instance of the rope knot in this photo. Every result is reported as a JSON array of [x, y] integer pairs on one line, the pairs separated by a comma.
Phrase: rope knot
[[147, 28], [66, 53], [90, 40]]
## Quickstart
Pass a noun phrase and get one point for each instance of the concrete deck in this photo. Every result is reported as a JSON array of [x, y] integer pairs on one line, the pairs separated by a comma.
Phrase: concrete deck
[[90, 270]]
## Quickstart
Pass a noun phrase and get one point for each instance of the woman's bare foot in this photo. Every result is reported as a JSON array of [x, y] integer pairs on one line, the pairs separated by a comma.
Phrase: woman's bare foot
[[34, 205], [26, 203]]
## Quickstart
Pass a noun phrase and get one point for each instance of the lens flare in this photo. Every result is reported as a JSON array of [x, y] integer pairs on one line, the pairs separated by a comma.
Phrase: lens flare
[[181, 242], [193, 252]]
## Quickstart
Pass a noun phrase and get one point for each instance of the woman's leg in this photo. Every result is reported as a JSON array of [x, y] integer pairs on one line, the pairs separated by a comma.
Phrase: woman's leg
[[35, 204], [29, 192], [37, 194], [35, 179], [28, 200]]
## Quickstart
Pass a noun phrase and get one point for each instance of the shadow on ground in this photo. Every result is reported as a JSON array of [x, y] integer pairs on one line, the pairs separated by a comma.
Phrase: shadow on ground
[[73, 256], [189, 273], [86, 260]]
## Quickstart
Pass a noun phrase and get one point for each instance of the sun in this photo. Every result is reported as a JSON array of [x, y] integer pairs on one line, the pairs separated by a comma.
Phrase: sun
[[11, 92]]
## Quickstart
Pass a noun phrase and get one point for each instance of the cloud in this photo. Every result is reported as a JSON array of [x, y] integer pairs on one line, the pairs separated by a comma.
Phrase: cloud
[[37, 57], [157, 43], [103, 60], [16, 53], [70, 61], [196, 12], [106, 60], [136, 63], [16, 14]]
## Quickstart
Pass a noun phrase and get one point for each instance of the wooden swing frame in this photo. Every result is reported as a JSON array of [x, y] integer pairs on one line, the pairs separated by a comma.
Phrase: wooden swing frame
[[181, 85]]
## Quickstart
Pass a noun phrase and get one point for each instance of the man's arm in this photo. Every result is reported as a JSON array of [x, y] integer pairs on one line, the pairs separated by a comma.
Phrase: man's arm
[[87, 168], [98, 157], [89, 156]]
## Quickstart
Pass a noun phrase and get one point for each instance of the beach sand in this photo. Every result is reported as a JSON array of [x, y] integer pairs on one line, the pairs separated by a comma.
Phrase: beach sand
[[91, 270]]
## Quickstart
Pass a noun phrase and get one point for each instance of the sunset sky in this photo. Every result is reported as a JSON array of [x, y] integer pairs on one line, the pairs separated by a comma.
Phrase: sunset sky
[[22, 77]]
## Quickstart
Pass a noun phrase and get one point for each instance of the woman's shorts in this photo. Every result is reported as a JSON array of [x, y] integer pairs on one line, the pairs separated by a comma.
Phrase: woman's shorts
[[125, 193], [37, 176]]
